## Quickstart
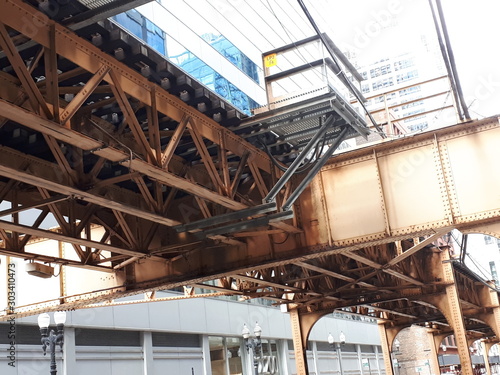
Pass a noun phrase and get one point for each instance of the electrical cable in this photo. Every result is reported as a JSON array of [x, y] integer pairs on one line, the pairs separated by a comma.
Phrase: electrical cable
[[451, 56], [282, 242], [132, 154], [445, 58], [480, 269]]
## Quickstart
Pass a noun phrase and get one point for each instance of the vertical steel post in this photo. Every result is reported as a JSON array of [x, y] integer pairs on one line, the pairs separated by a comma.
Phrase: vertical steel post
[[299, 344], [386, 338], [449, 304], [435, 343], [486, 346]]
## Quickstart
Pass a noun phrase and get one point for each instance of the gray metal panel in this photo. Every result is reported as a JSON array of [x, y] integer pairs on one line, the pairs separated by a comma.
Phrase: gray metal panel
[[106, 337], [171, 339]]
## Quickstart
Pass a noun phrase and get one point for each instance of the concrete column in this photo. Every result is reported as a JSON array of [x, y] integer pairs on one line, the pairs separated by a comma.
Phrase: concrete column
[[283, 356], [147, 350], [360, 360], [314, 349], [69, 352], [207, 365], [377, 357]]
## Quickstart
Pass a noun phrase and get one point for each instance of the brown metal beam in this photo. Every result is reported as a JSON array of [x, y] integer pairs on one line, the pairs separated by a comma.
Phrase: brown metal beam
[[19, 228], [83, 94], [83, 53], [72, 137], [36, 99]]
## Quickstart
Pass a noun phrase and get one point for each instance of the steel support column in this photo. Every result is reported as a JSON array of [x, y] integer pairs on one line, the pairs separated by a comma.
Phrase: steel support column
[[387, 336], [436, 340], [486, 346], [489, 298], [449, 304], [301, 326]]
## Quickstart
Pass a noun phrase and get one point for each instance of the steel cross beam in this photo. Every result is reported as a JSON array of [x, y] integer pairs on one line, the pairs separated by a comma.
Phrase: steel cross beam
[[124, 81], [25, 19]]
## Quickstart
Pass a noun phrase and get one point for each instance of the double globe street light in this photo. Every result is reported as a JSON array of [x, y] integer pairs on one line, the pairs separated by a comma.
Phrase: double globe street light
[[337, 346], [253, 344], [51, 339]]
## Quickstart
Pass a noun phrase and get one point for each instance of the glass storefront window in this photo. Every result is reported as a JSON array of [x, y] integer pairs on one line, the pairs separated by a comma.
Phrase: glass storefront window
[[225, 355], [217, 355], [234, 356], [269, 361]]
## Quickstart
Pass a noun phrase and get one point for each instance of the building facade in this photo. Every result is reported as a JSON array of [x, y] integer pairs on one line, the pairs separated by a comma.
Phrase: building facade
[[199, 336], [220, 43]]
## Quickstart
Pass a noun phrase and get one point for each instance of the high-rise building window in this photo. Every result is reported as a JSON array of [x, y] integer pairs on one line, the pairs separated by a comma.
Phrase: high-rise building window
[[388, 97], [142, 28], [380, 71], [403, 77], [413, 104], [233, 54], [195, 67], [410, 90], [386, 82], [418, 127], [403, 64], [414, 118]]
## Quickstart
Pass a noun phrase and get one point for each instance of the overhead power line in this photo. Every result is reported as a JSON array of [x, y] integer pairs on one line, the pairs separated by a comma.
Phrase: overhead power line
[[449, 59]]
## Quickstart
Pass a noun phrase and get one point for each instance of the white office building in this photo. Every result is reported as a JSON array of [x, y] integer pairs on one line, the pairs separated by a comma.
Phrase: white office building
[[193, 336]]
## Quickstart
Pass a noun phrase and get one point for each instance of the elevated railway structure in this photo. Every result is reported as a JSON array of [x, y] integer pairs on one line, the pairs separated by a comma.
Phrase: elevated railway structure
[[156, 183]]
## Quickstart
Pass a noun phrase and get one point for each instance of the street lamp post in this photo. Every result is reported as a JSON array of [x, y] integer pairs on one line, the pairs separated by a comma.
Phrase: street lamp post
[[253, 344], [51, 339], [337, 346]]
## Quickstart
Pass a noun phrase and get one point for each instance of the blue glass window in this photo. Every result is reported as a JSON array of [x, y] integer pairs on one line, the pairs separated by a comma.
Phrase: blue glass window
[[146, 30], [233, 54], [195, 67], [142, 28]]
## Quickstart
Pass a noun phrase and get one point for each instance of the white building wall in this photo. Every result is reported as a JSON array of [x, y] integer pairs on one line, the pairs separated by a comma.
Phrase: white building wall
[[204, 317]]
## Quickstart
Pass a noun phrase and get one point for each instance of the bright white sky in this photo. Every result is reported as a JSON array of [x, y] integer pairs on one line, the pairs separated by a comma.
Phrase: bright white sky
[[472, 25]]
